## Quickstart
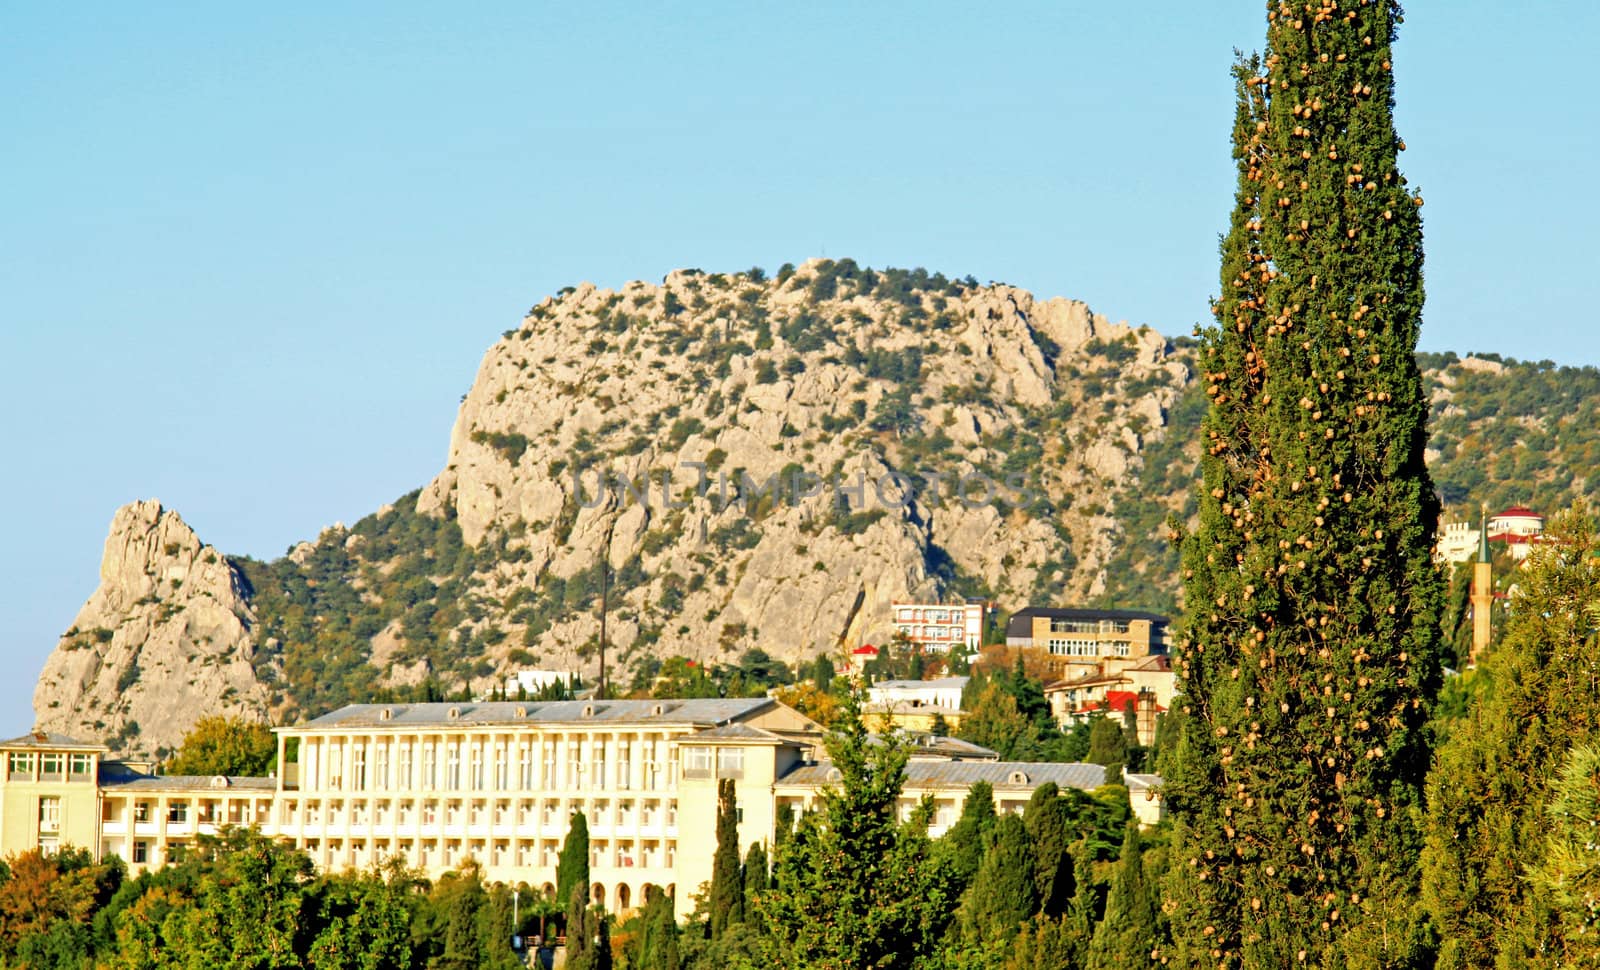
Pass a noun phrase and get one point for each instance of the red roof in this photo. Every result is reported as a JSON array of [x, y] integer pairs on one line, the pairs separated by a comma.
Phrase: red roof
[[865, 650], [1116, 700], [1520, 512]]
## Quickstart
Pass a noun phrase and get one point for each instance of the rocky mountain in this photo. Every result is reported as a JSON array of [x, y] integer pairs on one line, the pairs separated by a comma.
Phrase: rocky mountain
[[163, 641], [757, 463]]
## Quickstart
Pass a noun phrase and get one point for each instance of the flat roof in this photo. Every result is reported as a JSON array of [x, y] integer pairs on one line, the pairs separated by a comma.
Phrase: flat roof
[[1058, 613], [50, 739], [945, 774], [939, 683], [699, 711]]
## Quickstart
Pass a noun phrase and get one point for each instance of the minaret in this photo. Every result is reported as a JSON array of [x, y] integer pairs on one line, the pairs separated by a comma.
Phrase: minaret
[[1482, 591]]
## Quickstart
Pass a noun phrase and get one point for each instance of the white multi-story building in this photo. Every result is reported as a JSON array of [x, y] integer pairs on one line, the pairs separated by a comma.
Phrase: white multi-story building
[[941, 626], [497, 783]]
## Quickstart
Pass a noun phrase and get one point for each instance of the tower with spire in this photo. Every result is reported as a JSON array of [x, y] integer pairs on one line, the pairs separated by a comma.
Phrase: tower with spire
[[1482, 589]]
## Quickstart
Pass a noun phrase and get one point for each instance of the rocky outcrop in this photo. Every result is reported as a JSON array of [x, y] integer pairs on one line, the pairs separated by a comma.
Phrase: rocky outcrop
[[737, 378], [163, 641], [764, 463]]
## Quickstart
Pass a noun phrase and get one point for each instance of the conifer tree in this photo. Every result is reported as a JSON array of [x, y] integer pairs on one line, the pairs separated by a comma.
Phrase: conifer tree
[[755, 873], [1108, 746], [852, 886], [1568, 875], [1311, 648], [1488, 793], [580, 930], [1128, 933], [727, 882], [657, 947], [572, 867], [1002, 896], [962, 845], [1046, 819]]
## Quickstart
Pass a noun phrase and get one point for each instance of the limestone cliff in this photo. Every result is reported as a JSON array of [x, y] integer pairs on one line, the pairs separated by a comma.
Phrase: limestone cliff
[[163, 641], [761, 463], [833, 374]]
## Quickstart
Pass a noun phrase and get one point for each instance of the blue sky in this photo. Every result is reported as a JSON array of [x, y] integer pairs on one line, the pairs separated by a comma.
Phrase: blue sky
[[250, 257]]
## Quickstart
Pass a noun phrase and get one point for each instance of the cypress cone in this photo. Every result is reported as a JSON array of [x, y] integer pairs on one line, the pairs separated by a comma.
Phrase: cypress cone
[[1311, 650]]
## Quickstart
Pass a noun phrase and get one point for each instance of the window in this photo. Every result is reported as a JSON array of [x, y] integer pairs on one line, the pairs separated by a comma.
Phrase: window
[[1064, 647], [49, 813], [730, 762], [477, 768], [453, 772], [427, 767], [141, 811], [52, 766], [403, 777], [380, 767], [360, 777], [335, 766], [178, 813], [599, 776], [141, 852], [697, 762], [500, 768], [21, 764], [82, 765]]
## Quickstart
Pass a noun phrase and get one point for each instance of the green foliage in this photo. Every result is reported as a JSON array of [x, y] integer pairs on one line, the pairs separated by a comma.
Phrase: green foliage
[[220, 745], [1107, 746], [1311, 652], [727, 881], [853, 888], [1004, 893], [1128, 935], [510, 445], [1048, 821], [962, 845], [1535, 699], [572, 868], [1568, 875]]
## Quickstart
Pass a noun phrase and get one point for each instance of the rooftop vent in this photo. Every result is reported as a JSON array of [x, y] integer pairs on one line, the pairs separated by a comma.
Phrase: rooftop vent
[[385, 714], [522, 711], [1017, 778], [658, 709], [455, 712], [588, 710], [220, 781]]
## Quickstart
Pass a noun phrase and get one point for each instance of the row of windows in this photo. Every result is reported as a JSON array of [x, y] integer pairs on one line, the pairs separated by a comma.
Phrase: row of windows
[[1088, 626], [934, 632], [453, 769], [1065, 647], [53, 766], [697, 762], [551, 813]]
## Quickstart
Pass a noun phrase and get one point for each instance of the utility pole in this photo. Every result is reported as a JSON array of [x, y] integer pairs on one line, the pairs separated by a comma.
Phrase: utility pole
[[605, 597]]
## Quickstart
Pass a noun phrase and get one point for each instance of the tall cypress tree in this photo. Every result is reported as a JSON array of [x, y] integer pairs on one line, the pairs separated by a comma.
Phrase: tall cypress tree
[[727, 882], [756, 875], [1129, 932], [1002, 896], [1311, 648], [572, 868], [1046, 819]]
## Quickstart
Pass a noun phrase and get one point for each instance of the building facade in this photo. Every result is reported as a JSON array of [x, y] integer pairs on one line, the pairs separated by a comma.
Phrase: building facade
[[1080, 641], [439, 784], [942, 626]]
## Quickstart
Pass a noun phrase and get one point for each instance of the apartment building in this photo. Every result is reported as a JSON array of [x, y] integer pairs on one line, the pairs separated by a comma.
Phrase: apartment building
[[1077, 641], [941, 626]]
